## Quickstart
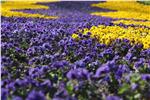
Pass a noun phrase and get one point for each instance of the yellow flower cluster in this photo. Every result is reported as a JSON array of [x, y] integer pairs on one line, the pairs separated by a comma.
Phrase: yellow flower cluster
[[125, 9], [124, 14], [107, 34], [8, 7], [128, 22], [75, 36]]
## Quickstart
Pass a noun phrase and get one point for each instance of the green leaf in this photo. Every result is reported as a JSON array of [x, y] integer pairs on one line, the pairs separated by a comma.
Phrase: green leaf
[[124, 88], [135, 78], [69, 87], [137, 96]]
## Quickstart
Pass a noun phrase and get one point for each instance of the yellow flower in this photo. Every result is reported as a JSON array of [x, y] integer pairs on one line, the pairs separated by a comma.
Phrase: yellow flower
[[128, 22], [74, 36], [107, 34], [124, 9], [9, 6]]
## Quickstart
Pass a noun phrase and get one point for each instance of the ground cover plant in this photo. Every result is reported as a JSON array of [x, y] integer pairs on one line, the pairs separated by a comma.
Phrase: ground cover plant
[[75, 50]]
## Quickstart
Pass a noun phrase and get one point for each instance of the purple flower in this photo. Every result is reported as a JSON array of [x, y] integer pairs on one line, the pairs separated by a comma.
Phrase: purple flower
[[102, 69], [87, 59], [11, 86], [62, 93], [134, 86], [46, 83], [46, 46], [121, 70], [60, 64], [113, 98], [80, 63], [4, 94], [17, 98], [79, 73], [145, 76], [129, 56], [36, 95], [139, 63]]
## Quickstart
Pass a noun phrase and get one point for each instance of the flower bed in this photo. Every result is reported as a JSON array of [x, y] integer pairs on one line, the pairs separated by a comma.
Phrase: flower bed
[[77, 56]]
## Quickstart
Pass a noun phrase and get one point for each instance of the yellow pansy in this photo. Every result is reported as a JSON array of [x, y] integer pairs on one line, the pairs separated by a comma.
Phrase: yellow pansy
[[124, 9], [124, 14], [128, 22], [107, 34], [74, 36], [8, 7]]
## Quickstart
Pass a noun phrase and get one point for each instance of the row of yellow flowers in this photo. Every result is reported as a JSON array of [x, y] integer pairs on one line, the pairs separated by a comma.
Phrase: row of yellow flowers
[[8, 7], [129, 22], [107, 34], [125, 9]]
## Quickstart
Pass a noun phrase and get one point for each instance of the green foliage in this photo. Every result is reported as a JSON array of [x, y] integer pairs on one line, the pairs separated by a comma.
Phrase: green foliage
[[69, 87], [144, 2]]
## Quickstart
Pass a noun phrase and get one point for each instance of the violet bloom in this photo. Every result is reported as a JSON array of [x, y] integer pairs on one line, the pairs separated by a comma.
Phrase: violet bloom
[[121, 70], [102, 69], [139, 63], [11, 86], [79, 73], [113, 98], [129, 56], [36, 95], [60, 64], [46, 46], [87, 59], [46, 83], [61, 93], [80, 63], [134, 86], [17, 98], [145, 76], [4, 94]]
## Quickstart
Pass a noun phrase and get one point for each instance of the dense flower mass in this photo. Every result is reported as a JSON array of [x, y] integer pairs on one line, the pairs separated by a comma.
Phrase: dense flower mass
[[76, 56], [7, 9], [129, 22], [107, 34], [125, 12]]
